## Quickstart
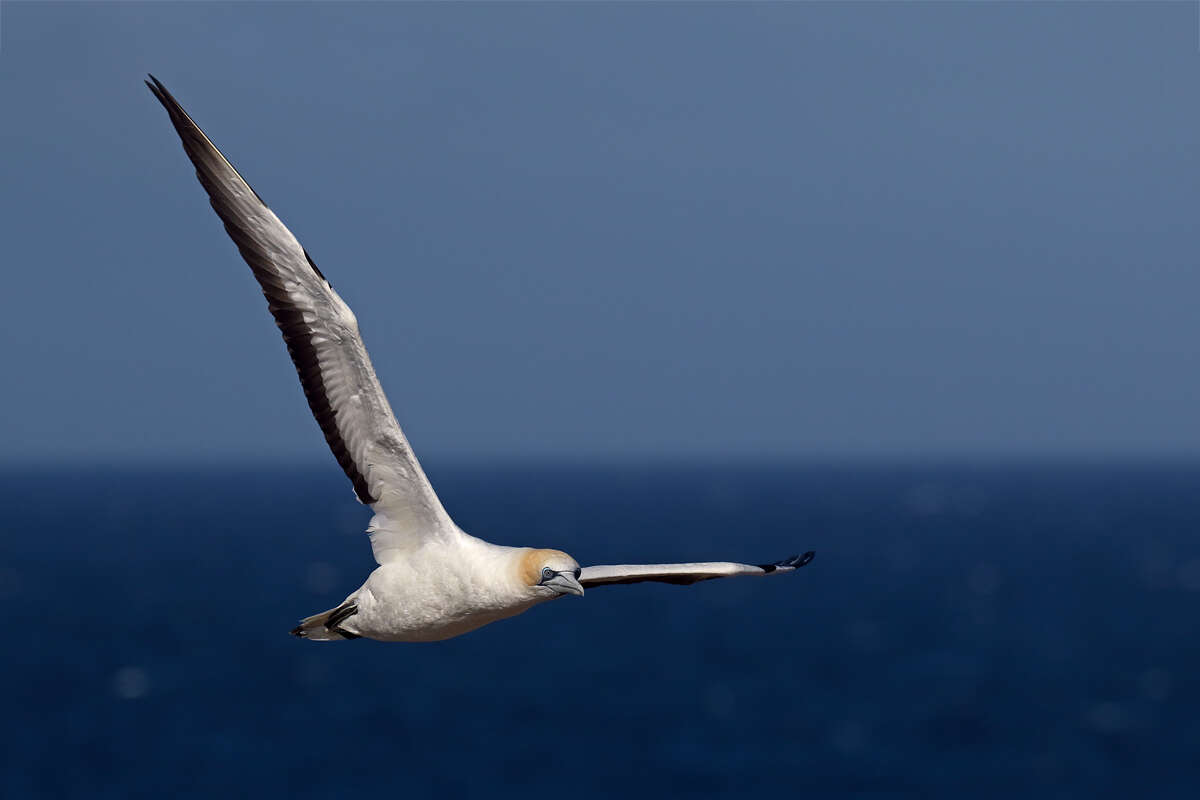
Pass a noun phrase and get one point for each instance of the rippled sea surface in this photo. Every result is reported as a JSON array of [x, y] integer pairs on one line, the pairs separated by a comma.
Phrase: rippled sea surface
[[965, 631]]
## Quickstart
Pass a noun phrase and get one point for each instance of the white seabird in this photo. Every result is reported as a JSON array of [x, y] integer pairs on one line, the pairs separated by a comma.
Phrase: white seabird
[[434, 581]]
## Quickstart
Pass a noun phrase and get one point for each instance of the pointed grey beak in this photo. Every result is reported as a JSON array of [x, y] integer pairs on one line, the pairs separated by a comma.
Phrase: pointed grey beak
[[564, 583]]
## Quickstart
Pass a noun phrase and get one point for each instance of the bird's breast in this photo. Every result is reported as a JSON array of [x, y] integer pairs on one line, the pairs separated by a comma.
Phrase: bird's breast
[[428, 599]]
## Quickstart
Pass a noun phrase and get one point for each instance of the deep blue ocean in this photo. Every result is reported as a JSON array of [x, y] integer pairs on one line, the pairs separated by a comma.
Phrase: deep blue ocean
[[965, 631]]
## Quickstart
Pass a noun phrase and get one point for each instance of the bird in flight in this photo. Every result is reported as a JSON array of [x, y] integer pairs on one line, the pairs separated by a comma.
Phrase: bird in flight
[[434, 581]]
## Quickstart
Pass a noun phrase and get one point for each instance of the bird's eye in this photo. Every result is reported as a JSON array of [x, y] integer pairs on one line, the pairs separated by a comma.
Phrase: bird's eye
[[547, 573], [578, 572]]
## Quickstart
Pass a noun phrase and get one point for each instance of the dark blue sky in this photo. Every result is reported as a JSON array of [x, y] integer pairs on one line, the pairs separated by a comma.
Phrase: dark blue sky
[[786, 229]]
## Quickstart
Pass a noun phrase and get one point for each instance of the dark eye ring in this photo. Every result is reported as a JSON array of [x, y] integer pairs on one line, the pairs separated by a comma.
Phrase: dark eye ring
[[547, 573]]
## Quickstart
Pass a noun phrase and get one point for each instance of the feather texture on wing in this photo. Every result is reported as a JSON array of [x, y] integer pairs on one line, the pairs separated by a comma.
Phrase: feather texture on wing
[[685, 574], [322, 337]]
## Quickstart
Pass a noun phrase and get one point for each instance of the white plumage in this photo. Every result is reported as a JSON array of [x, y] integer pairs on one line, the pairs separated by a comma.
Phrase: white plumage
[[434, 581]]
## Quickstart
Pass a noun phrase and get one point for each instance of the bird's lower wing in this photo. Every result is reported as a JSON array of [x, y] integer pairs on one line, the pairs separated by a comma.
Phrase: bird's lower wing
[[684, 574]]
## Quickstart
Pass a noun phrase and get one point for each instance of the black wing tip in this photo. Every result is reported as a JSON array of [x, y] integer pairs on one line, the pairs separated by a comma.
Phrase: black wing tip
[[791, 562], [185, 126], [156, 85], [174, 109], [159, 91]]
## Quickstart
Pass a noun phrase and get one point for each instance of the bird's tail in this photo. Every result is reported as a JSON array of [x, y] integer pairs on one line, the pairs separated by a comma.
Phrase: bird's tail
[[327, 626]]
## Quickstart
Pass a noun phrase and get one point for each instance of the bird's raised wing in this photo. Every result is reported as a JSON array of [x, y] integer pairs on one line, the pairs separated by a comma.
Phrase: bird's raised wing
[[684, 574], [322, 337]]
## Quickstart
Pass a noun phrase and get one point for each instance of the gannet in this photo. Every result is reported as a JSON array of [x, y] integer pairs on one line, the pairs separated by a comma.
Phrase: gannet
[[434, 581]]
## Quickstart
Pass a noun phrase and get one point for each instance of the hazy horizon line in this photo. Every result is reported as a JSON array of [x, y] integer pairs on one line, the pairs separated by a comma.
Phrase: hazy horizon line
[[663, 459]]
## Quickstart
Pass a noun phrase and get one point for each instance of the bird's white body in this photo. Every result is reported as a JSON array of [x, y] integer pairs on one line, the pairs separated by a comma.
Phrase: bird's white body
[[440, 590], [433, 581]]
